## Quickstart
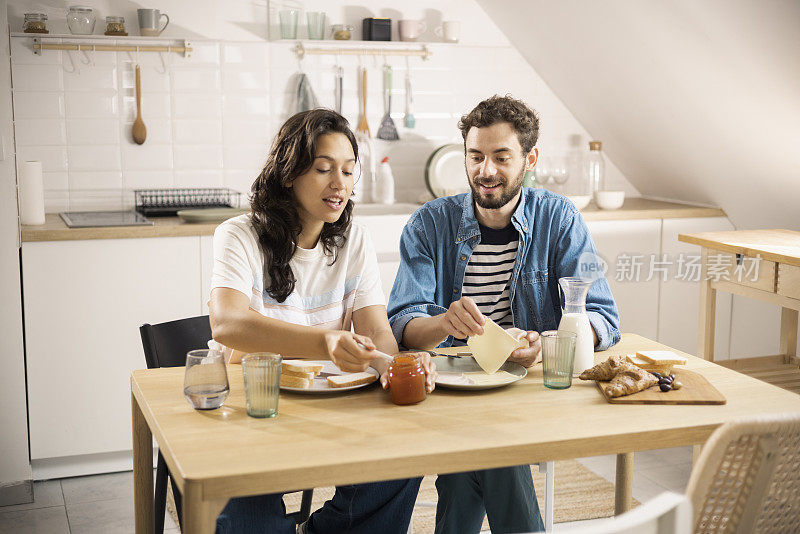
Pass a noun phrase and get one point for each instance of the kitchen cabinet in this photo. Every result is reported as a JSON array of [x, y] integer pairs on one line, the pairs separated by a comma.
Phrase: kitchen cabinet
[[83, 304], [622, 243]]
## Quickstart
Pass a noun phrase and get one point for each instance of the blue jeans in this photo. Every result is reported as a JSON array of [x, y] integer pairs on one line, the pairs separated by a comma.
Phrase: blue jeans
[[384, 507], [505, 495]]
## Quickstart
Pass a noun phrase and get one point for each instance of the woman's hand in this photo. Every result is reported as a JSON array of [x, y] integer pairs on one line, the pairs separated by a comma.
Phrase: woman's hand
[[427, 365], [344, 351]]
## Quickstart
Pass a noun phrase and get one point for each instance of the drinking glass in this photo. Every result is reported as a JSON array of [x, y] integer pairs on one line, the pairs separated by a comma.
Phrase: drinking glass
[[560, 172], [288, 19], [542, 172], [205, 383], [558, 355], [262, 381], [316, 24]]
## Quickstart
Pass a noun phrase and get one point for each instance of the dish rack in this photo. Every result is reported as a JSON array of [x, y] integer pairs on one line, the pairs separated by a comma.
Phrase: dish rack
[[167, 202]]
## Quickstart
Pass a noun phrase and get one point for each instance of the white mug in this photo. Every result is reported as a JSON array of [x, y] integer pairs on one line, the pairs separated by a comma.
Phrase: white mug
[[411, 29], [150, 22], [449, 31]]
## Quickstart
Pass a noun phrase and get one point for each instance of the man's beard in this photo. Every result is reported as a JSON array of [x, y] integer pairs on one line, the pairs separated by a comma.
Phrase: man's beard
[[507, 195]]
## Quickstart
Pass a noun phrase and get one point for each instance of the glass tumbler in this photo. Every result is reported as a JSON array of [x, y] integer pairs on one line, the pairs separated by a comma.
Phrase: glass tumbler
[[288, 18], [316, 24], [558, 356], [262, 381], [205, 383]]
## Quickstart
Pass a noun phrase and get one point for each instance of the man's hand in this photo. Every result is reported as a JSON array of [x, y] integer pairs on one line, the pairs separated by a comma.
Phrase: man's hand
[[530, 356], [463, 319]]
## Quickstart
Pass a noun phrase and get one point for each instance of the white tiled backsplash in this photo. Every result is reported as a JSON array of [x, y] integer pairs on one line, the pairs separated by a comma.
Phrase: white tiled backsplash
[[210, 118]]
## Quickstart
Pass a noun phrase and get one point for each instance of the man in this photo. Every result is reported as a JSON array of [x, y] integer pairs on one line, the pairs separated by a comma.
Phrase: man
[[497, 252]]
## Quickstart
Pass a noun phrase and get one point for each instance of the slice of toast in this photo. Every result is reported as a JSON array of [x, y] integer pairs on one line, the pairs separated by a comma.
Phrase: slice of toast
[[309, 376], [301, 366], [661, 357], [296, 381], [351, 379], [641, 363]]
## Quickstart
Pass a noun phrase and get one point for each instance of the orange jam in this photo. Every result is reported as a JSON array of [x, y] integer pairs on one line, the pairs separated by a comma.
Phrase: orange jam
[[407, 379]]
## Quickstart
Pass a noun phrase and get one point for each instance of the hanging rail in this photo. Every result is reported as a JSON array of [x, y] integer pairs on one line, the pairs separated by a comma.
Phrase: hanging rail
[[38, 46], [424, 52]]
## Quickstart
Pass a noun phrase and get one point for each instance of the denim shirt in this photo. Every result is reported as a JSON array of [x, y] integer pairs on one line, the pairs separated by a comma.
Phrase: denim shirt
[[438, 241]]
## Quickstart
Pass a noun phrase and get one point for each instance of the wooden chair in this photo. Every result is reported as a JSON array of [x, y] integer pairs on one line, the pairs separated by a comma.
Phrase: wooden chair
[[166, 345], [668, 513], [747, 478]]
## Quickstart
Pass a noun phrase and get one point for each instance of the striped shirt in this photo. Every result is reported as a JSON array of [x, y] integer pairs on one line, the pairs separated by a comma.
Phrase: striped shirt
[[486, 280]]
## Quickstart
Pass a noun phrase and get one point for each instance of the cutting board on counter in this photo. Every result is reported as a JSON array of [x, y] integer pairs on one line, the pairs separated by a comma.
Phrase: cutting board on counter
[[696, 390]]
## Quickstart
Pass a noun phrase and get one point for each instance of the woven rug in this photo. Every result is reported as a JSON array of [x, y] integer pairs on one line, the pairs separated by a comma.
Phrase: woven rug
[[580, 495]]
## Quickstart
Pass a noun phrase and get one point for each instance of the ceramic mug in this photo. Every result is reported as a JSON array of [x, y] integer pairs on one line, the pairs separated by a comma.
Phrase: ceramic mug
[[149, 22], [410, 30], [449, 31]]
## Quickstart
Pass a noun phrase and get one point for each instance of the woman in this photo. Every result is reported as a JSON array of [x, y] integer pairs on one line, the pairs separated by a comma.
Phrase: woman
[[292, 277]]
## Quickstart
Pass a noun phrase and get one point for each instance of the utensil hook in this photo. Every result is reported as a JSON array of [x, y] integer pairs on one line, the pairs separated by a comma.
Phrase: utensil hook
[[163, 64]]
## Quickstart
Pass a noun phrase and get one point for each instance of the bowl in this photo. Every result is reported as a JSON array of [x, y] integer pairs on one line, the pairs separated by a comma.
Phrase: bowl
[[580, 201], [609, 200]]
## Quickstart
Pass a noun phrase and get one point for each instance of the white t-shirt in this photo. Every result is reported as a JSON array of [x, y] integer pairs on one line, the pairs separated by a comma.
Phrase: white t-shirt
[[324, 295]]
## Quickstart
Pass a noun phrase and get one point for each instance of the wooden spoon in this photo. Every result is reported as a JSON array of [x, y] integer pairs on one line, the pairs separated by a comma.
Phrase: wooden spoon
[[139, 131]]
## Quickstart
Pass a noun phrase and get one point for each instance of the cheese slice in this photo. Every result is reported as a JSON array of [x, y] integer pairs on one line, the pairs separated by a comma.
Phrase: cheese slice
[[661, 357], [492, 348]]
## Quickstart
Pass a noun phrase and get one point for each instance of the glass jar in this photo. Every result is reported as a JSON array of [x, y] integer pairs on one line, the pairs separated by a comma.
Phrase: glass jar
[[407, 379], [35, 23], [81, 20], [341, 32], [115, 26], [595, 167]]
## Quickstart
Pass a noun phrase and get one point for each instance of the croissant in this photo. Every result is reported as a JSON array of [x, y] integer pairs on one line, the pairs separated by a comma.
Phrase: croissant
[[605, 370], [630, 380]]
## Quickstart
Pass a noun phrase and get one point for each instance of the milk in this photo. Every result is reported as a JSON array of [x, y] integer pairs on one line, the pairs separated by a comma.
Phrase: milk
[[584, 341]]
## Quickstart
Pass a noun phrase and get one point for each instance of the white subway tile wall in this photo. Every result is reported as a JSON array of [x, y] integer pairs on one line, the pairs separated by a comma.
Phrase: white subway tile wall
[[210, 118]]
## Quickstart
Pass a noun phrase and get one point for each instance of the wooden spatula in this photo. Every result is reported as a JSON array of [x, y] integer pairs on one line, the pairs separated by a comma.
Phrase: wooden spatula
[[139, 131]]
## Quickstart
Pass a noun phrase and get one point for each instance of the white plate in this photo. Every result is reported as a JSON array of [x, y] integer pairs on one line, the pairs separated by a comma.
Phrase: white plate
[[210, 215], [320, 384], [451, 369], [444, 173]]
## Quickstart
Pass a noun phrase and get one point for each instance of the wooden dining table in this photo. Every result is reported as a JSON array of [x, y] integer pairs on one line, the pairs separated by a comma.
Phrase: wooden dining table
[[360, 436]]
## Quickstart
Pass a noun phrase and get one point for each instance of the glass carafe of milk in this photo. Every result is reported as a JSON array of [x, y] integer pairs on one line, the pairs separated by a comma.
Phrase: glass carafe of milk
[[574, 319]]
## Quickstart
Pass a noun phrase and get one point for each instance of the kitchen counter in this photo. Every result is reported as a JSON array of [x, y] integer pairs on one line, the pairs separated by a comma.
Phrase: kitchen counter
[[54, 228]]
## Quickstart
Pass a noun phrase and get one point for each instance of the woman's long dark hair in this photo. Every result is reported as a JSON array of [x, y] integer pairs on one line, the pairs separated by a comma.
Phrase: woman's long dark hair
[[275, 216]]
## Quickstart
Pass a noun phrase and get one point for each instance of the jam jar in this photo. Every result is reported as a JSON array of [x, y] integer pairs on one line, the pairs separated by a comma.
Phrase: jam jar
[[407, 379], [35, 23]]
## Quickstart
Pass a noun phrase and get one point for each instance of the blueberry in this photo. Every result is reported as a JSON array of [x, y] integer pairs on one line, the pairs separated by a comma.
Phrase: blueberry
[[657, 375], [665, 387], [672, 376]]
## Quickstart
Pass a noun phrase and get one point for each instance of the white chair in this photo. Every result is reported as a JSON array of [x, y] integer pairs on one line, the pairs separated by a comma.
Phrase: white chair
[[548, 468], [669, 513]]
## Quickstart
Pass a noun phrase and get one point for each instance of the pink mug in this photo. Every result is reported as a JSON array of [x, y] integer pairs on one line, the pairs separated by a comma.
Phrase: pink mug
[[410, 30]]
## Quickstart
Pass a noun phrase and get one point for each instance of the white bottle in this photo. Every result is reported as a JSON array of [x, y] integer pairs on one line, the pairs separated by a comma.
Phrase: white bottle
[[383, 192], [584, 341]]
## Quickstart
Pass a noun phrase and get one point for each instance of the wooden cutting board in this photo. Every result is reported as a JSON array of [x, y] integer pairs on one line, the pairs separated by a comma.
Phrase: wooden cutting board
[[696, 390]]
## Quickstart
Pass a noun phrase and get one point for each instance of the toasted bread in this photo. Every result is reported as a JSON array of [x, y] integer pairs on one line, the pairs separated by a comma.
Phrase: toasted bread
[[309, 376], [661, 357], [296, 381], [351, 379], [301, 366], [641, 363]]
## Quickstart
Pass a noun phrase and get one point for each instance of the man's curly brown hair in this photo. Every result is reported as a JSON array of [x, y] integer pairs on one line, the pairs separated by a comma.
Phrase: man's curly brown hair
[[498, 108]]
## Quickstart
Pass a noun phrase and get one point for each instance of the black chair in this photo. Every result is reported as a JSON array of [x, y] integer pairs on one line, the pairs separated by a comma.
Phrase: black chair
[[166, 345]]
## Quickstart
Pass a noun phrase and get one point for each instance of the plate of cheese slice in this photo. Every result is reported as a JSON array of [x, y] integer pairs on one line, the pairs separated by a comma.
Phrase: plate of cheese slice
[[465, 373], [321, 376]]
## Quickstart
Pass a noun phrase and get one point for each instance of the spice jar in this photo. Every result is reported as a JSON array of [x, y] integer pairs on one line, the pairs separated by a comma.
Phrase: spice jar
[[407, 379], [115, 26], [341, 32], [81, 20], [35, 23]]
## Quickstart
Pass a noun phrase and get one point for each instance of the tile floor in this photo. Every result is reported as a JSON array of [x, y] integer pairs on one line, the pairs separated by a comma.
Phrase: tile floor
[[104, 503]]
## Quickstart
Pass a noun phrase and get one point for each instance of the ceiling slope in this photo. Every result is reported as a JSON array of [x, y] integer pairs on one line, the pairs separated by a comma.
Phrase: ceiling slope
[[695, 100]]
